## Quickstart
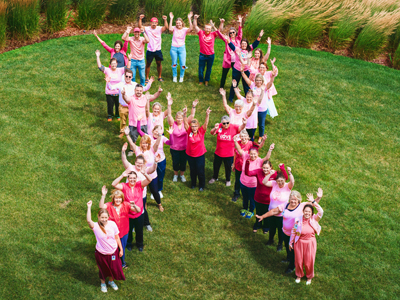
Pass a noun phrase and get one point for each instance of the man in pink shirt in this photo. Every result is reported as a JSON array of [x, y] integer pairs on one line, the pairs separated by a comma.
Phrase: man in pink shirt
[[206, 41], [137, 52], [154, 47]]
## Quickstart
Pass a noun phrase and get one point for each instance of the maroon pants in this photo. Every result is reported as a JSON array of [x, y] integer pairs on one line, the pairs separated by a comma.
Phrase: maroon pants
[[109, 265]]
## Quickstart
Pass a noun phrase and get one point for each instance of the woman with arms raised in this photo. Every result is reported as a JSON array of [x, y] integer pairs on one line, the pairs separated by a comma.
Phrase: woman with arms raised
[[237, 114], [118, 52]]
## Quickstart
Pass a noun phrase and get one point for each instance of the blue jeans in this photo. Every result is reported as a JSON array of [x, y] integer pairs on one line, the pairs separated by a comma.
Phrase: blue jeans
[[248, 194], [203, 60], [261, 122], [161, 173], [140, 64], [124, 240], [178, 52]]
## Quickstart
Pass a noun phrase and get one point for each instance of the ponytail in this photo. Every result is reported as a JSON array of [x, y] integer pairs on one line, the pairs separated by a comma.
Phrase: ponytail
[[102, 211]]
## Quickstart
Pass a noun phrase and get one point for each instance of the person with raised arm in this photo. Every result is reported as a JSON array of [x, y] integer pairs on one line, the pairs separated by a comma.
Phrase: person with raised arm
[[225, 147], [118, 211], [237, 114], [303, 242], [258, 59], [290, 211], [248, 184], [178, 48], [154, 33], [107, 253], [118, 52], [133, 192], [179, 139], [196, 149], [137, 44], [206, 57]]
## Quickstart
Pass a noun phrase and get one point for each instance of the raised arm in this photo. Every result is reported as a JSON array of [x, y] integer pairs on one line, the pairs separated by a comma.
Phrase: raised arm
[[224, 102], [320, 213], [147, 180], [153, 168], [99, 39], [171, 18], [271, 82], [240, 32], [310, 196], [244, 76], [125, 36], [271, 213], [190, 15], [283, 170], [125, 96], [89, 215], [169, 110], [221, 24], [243, 125], [251, 109], [266, 56], [140, 21], [247, 171], [237, 146], [165, 27], [193, 111], [196, 28], [291, 178], [185, 119], [257, 41], [99, 65], [266, 180], [103, 197], [125, 161], [155, 95], [116, 183], [271, 148], [260, 97], [236, 89], [215, 129], [131, 143], [208, 111], [146, 38], [157, 143], [139, 130], [263, 139]]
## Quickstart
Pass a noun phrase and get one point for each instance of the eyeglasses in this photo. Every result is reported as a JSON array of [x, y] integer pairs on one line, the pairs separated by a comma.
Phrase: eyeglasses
[[128, 76], [227, 123], [232, 32]]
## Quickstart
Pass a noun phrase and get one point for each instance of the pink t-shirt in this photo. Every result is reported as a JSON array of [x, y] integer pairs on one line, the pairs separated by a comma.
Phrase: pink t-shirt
[[106, 243], [246, 148], [225, 143], [154, 38], [229, 55], [136, 196], [153, 121], [272, 91], [149, 156], [248, 181], [289, 216], [279, 196], [237, 118], [243, 54], [179, 137], [115, 79], [195, 143], [137, 47], [207, 42], [252, 121], [256, 92], [179, 36], [160, 150], [137, 107]]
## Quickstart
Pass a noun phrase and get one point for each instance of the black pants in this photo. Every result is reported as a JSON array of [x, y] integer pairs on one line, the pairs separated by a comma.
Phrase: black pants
[[238, 75], [146, 221], [290, 254], [178, 160], [251, 132], [260, 210], [228, 161], [111, 102], [225, 72], [153, 186], [237, 183], [136, 223], [274, 224], [197, 169]]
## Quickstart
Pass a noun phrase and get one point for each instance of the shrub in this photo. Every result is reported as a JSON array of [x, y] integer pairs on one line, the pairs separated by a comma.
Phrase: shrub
[[3, 23], [91, 13], [374, 36], [180, 9], [243, 4], [396, 59], [122, 11], [215, 10], [23, 18], [56, 14], [154, 8]]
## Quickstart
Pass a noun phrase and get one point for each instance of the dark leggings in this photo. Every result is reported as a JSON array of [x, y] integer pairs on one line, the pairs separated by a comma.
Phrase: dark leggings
[[225, 72], [146, 221], [228, 161], [136, 223], [153, 186], [197, 170], [178, 160], [238, 75], [251, 132], [237, 183], [260, 210], [275, 223], [290, 254], [111, 102]]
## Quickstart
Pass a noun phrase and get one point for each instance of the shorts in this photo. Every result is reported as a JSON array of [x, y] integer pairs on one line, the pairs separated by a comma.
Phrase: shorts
[[151, 55]]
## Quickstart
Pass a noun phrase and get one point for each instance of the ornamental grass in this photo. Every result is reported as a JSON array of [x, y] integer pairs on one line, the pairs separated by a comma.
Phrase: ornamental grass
[[215, 10], [91, 13], [123, 11], [56, 14], [154, 8], [3, 23], [23, 18], [180, 9], [396, 58]]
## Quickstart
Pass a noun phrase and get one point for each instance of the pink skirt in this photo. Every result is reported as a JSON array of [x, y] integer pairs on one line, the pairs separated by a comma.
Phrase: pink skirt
[[109, 265]]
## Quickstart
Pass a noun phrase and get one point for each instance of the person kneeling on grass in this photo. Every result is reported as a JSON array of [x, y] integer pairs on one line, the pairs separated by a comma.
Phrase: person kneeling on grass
[[107, 245]]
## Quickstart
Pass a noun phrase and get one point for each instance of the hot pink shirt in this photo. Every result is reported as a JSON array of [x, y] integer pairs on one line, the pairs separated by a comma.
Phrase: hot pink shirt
[[137, 47], [154, 36], [207, 42], [289, 216], [246, 147], [115, 79], [248, 181], [237, 118], [252, 121], [149, 156], [179, 137], [136, 196], [122, 51], [243, 54], [279, 196], [179, 36], [229, 55], [225, 143], [195, 143], [106, 243], [137, 107], [121, 219], [140, 177], [153, 121]]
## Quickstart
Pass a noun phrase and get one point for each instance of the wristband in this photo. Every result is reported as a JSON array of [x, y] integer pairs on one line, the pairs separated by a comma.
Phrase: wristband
[[313, 202]]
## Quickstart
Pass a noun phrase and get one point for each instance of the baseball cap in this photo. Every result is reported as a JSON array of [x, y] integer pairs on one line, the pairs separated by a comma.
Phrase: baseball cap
[[153, 19]]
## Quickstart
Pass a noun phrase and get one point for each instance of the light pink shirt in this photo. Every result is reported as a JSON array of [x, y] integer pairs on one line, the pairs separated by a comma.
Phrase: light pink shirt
[[153, 121], [137, 47], [149, 156], [250, 181], [256, 92], [179, 36], [279, 196], [106, 243], [289, 216], [243, 54], [137, 107], [252, 121], [154, 36], [272, 91], [160, 150], [179, 137], [237, 118], [115, 79]]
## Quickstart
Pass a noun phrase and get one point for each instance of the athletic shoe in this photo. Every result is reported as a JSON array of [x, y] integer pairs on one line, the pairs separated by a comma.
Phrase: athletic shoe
[[130, 153], [234, 198], [269, 243], [119, 119], [113, 285], [201, 189], [285, 261], [175, 179], [211, 181], [183, 179], [140, 249], [297, 280], [103, 287], [181, 79], [228, 183], [161, 195], [308, 281], [243, 212], [148, 227], [249, 215], [152, 197], [175, 79], [109, 120]]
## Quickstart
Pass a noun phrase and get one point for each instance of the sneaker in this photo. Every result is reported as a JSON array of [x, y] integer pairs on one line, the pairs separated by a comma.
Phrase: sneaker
[[308, 281], [140, 249], [243, 212], [130, 153], [249, 215], [129, 248], [183, 179], [297, 280], [192, 187], [109, 119], [201, 190], [279, 248], [161, 195], [288, 271], [103, 287], [228, 183], [113, 285], [211, 181], [181, 79], [119, 119], [175, 79], [175, 179], [152, 197], [234, 198], [148, 227]]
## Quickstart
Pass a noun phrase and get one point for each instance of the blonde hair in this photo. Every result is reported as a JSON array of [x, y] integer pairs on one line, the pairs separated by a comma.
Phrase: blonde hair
[[259, 76], [157, 103], [145, 139], [194, 121], [117, 193], [297, 195], [180, 19]]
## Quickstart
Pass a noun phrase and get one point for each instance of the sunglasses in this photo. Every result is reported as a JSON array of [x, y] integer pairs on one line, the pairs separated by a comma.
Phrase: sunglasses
[[227, 123], [128, 76], [232, 32]]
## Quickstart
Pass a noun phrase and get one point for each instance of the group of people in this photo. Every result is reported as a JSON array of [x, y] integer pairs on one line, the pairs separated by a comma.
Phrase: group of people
[[264, 190]]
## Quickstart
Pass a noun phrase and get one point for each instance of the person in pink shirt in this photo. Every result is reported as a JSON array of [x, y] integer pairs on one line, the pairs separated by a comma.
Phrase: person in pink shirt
[[237, 114], [290, 211], [206, 57], [196, 149], [118, 52], [107, 245], [137, 44], [258, 59], [225, 147], [178, 48], [154, 47]]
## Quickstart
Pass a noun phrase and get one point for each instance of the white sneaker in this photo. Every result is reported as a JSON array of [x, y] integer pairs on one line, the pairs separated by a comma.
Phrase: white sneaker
[[151, 196], [113, 285], [183, 179], [175, 79], [211, 181], [175, 178], [103, 288], [228, 183], [297, 280], [308, 282], [161, 195], [130, 153], [181, 79], [148, 227]]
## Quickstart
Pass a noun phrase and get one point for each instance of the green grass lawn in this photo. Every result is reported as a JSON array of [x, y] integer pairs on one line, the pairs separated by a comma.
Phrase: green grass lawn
[[338, 128]]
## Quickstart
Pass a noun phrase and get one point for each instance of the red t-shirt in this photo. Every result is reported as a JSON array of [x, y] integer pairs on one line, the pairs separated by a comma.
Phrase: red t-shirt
[[122, 220], [195, 143], [225, 143], [246, 148], [207, 42], [136, 195]]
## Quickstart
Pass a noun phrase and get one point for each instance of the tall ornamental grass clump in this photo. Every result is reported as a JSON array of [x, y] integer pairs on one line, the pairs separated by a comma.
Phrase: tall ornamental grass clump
[[91, 13], [3, 23], [180, 9], [122, 11], [243, 4], [23, 18], [396, 59], [374, 37], [215, 10], [381, 5], [154, 8], [56, 14]]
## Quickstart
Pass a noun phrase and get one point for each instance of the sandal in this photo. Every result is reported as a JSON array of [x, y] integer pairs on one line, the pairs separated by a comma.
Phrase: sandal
[[160, 79], [160, 207], [146, 81]]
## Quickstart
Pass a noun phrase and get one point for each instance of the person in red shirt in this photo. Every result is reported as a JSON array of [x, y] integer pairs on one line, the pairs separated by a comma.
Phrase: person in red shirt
[[225, 146], [196, 149], [206, 57]]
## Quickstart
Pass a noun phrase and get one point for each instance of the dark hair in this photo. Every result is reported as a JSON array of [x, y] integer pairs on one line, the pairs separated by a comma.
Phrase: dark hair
[[280, 175], [267, 162], [140, 156], [128, 71], [253, 149], [310, 206], [261, 53], [248, 44], [138, 86], [113, 59], [132, 173], [118, 42], [263, 63]]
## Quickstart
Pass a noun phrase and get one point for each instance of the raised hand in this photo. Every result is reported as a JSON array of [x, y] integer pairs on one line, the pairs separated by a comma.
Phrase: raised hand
[[271, 172], [140, 117], [89, 204], [241, 67], [272, 147], [171, 15], [320, 193], [196, 16], [141, 17], [269, 41], [261, 32], [289, 169], [164, 17], [130, 55], [195, 102], [275, 71], [222, 20], [124, 147], [151, 80], [310, 197], [211, 23], [236, 138], [190, 15], [244, 121], [273, 60], [107, 78], [170, 130], [222, 92], [234, 83], [126, 130], [94, 32], [208, 111], [216, 125], [125, 173], [169, 98], [128, 29], [240, 18], [160, 89], [123, 91], [97, 53], [264, 137], [157, 158], [184, 110], [104, 190]]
